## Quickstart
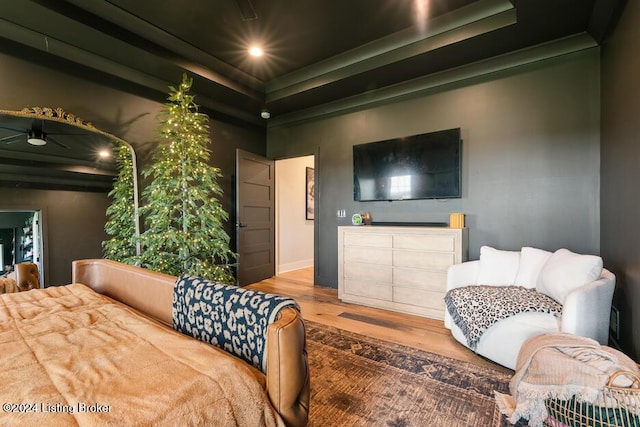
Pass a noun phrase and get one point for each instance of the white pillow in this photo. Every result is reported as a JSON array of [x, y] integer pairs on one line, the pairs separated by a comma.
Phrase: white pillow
[[531, 262], [566, 271], [498, 268]]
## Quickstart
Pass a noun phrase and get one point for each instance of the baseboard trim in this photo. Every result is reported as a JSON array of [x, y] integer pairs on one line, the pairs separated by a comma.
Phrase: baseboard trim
[[283, 268]]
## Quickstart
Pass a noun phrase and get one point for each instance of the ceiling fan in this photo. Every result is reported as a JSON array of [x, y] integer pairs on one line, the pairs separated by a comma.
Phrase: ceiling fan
[[33, 135]]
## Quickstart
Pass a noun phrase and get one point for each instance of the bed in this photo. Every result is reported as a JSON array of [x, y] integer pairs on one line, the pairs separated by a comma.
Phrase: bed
[[103, 351]]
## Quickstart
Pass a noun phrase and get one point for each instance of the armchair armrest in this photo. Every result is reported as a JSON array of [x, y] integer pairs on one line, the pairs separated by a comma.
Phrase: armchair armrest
[[459, 275], [586, 310], [463, 274], [27, 276]]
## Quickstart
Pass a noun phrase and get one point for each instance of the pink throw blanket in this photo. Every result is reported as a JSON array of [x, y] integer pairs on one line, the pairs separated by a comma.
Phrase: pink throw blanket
[[561, 366]]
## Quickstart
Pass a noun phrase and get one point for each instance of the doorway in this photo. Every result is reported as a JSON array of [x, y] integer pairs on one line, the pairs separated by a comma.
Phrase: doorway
[[295, 213], [20, 239]]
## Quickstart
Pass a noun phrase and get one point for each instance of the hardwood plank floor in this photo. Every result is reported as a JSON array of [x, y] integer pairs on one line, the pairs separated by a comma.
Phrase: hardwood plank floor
[[321, 304]]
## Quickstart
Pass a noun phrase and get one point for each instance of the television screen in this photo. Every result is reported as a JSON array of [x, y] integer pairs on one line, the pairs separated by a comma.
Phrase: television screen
[[425, 166]]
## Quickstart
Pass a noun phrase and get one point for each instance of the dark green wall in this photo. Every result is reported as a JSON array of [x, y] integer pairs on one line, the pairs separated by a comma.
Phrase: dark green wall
[[620, 170], [76, 219], [72, 226], [530, 158]]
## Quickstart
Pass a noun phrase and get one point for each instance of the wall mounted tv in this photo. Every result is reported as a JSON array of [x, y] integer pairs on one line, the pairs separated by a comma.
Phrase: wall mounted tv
[[425, 166]]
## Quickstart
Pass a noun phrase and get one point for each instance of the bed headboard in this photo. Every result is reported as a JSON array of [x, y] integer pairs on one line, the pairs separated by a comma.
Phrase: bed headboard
[[145, 290], [288, 384]]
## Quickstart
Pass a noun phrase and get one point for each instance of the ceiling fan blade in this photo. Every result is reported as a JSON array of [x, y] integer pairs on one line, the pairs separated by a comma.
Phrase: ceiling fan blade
[[70, 133], [247, 10], [59, 144], [13, 129], [12, 138]]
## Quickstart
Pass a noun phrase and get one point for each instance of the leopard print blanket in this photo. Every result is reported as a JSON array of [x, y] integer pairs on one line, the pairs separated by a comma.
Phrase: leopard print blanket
[[476, 308]]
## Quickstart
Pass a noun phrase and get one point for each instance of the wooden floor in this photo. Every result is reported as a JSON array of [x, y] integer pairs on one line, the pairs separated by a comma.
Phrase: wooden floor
[[322, 305]]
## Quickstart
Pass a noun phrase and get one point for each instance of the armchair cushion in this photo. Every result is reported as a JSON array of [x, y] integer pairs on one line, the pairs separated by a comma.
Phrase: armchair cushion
[[531, 262], [566, 271], [497, 268]]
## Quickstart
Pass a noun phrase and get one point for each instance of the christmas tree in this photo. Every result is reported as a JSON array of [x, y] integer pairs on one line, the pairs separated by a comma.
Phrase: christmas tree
[[183, 217], [120, 223]]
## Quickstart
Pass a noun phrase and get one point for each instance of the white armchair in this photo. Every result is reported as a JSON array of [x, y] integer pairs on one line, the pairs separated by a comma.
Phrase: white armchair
[[585, 297]]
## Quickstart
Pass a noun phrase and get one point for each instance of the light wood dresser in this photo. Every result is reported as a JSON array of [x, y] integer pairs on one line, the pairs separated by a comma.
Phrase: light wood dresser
[[398, 268]]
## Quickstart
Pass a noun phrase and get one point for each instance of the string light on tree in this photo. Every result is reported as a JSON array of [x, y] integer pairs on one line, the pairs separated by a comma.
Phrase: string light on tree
[[120, 225], [184, 219]]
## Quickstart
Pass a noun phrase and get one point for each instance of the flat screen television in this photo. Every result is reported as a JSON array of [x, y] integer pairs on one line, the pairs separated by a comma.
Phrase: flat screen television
[[425, 166]]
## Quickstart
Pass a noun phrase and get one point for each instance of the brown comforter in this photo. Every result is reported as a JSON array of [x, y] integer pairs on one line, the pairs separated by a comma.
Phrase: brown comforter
[[70, 356], [8, 285]]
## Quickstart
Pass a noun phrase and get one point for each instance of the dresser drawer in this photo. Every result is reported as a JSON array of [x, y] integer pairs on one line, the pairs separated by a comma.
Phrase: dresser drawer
[[425, 299], [368, 289], [372, 273], [420, 279], [368, 240], [429, 260], [370, 255], [422, 242]]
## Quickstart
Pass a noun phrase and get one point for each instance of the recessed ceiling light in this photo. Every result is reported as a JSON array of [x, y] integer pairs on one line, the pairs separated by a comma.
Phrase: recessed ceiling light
[[255, 51], [104, 153]]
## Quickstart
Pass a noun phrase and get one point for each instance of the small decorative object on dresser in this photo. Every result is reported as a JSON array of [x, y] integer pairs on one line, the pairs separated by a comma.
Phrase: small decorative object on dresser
[[356, 219], [366, 218], [456, 220]]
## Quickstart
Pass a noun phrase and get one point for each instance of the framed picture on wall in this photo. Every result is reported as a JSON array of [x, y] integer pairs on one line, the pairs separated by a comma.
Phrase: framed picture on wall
[[310, 194]]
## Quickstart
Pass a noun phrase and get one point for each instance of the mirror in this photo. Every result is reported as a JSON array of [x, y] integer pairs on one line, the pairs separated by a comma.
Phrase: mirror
[[49, 149], [20, 239], [46, 146]]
